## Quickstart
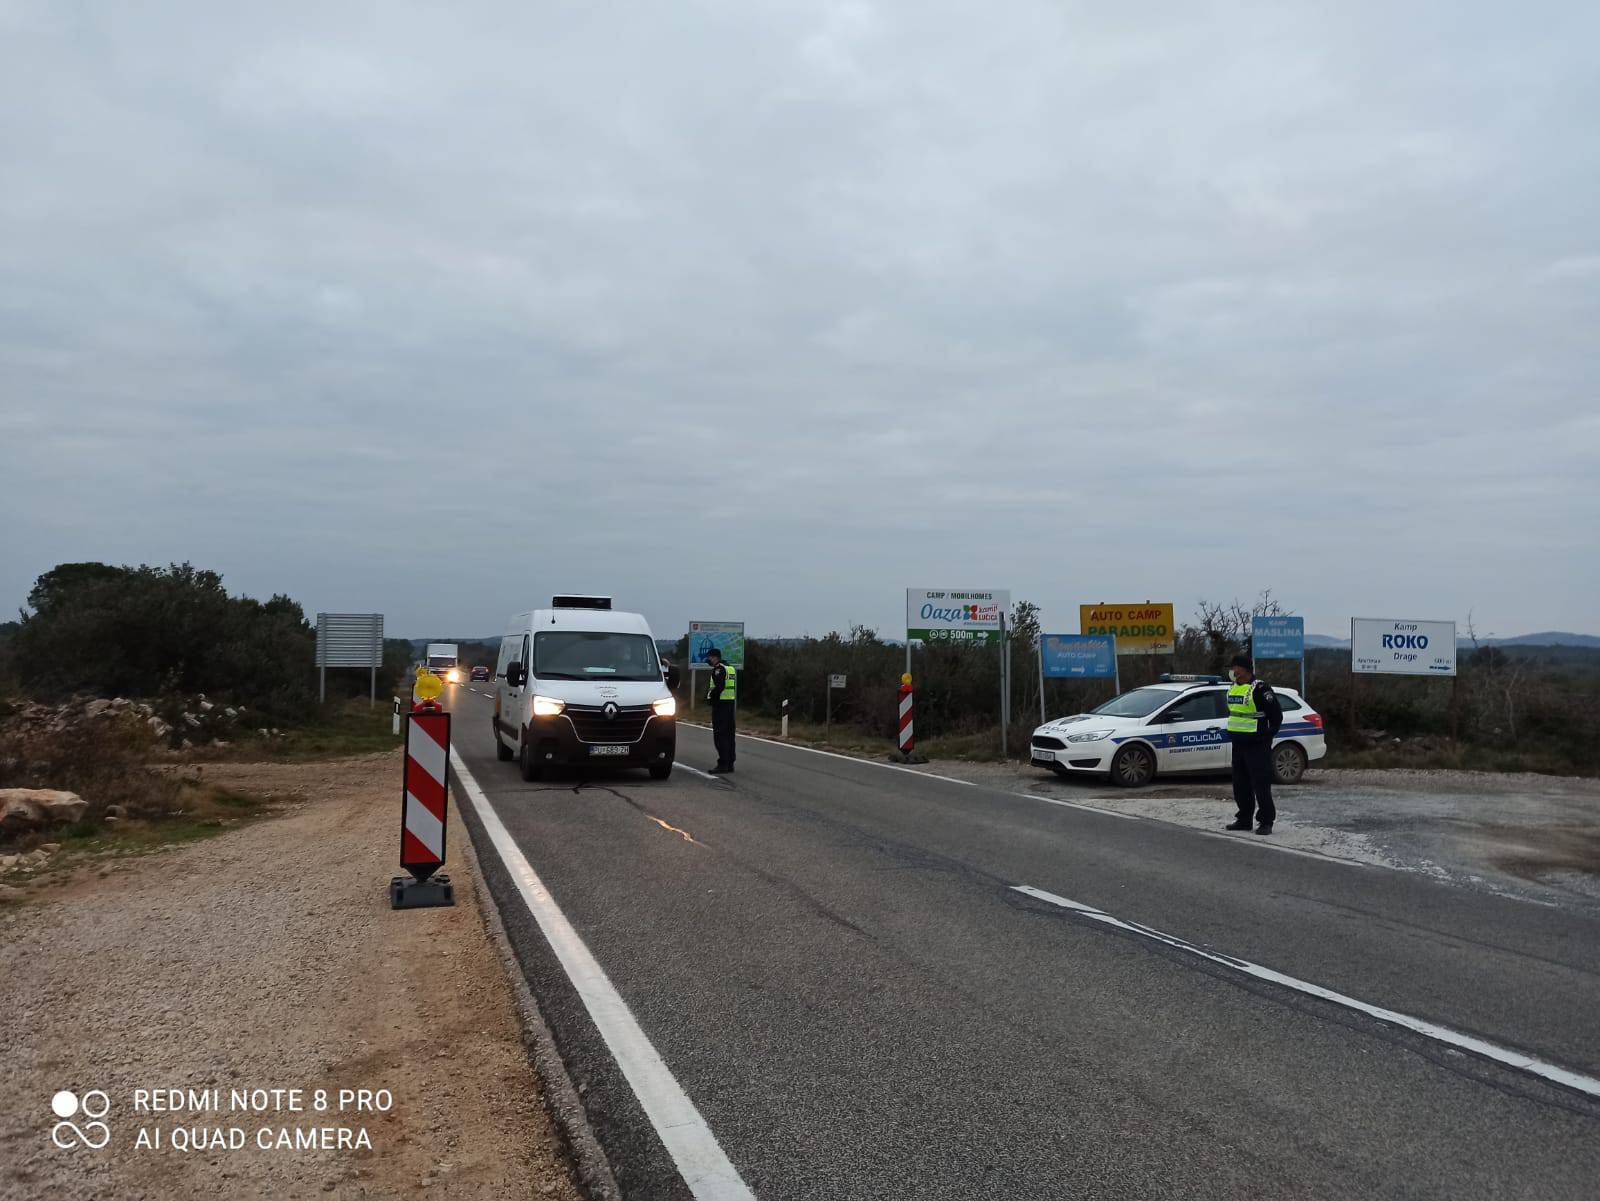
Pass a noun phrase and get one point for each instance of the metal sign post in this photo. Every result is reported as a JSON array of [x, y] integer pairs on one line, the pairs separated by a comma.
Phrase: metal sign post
[[1005, 691], [349, 640], [834, 681]]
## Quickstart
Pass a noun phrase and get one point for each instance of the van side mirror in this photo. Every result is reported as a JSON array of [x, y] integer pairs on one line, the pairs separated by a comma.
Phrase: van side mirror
[[515, 675], [673, 676]]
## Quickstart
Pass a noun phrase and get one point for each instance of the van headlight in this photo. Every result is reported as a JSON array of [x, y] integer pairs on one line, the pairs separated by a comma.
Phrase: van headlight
[[547, 706], [1089, 736], [665, 708]]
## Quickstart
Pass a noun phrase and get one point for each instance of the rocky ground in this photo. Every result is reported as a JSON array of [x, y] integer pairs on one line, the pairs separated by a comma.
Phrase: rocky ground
[[268, 958]]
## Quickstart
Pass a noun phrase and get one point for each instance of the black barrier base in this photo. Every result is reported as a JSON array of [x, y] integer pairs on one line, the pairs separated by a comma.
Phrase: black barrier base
[[408, 893]]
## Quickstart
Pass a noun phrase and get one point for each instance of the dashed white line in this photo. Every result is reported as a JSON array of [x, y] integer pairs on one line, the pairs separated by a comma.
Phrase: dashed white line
[[1506, 1056], [701, 1161]]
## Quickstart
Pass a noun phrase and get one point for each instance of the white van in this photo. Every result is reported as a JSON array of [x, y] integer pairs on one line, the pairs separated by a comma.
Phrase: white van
[[444, 662], [580, 682]]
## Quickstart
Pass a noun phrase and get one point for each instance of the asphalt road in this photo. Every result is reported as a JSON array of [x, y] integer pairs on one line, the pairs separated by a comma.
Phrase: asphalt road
[[834, 961]]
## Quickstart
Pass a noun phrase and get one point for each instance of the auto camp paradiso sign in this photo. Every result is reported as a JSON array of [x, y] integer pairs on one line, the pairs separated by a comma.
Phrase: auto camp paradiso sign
[[1139, 629]]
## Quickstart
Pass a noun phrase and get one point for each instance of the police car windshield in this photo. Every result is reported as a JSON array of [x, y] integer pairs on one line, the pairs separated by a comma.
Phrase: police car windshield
[[584, 655], [1141, 702]]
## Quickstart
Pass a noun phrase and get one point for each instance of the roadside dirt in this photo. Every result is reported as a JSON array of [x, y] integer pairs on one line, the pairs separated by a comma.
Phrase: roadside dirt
[[268, 958]]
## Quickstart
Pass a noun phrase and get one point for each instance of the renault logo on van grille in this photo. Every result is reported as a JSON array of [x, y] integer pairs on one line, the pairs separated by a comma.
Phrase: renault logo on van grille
[[610, 710]]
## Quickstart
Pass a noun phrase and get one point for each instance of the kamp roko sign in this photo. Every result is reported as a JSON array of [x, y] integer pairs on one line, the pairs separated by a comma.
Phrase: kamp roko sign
[[1139, 629]]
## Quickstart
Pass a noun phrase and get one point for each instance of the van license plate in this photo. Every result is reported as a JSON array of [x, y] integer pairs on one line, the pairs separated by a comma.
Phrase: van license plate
[[608, 750]]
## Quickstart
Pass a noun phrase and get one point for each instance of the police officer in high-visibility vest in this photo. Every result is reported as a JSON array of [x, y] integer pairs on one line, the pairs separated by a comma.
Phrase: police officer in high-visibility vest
[[1254, 716], [722, 694]]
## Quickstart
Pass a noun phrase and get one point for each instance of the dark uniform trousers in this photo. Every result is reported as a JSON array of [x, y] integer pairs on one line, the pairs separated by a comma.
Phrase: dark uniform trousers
[[1252, 779], [722, 730]]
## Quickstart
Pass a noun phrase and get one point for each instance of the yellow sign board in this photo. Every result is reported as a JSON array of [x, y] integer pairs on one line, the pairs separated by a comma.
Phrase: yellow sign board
[[1145, 629]]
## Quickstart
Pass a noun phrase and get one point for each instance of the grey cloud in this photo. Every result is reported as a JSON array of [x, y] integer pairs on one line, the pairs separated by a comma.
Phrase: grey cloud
[[772, 310]]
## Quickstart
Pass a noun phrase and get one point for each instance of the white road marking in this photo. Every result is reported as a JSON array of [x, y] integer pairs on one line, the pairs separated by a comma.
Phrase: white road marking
[[1259, 843], [701, 1161], [1250, 840], [794, 746], [1050, 800], [685, 767], [1506, 1056]]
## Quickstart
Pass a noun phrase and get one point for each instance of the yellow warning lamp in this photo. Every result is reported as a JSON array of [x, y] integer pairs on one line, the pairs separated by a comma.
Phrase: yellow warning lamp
[[428, 686], [905, 679]]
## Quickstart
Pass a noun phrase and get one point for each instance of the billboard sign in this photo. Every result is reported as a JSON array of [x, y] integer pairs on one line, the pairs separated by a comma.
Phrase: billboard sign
[[1278, 638], [1078, 656], [1139, 629], [956, 615], [1386, 646], [725, 636]]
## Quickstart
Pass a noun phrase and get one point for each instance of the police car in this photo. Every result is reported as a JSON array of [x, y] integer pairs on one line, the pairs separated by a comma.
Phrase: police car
[[1179, 725]]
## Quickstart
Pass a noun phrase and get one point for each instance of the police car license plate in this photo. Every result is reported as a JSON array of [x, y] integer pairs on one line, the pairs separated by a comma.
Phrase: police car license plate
[[608, 750], [1044, 756]]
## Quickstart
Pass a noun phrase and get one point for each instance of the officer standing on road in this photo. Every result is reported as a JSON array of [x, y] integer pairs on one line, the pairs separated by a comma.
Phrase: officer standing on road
[[722, 694], [1254, 716]]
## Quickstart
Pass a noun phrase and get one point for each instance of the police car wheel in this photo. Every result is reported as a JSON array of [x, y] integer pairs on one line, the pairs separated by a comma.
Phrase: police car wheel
[[501, 751], [1134, 766], [1288, 764]]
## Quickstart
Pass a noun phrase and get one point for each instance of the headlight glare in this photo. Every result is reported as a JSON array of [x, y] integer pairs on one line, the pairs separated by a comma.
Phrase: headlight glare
[[547, 706], [665, 708]]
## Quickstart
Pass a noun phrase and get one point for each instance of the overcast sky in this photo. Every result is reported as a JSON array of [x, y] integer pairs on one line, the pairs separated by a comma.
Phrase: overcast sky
[[768, 311]]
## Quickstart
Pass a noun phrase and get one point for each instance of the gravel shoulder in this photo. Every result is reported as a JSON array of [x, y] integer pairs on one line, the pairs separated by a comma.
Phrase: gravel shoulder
[[266, 958]]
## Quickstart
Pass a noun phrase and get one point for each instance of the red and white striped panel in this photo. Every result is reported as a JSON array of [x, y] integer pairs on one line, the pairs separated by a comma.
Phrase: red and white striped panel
[[422, 821], [907, 741]]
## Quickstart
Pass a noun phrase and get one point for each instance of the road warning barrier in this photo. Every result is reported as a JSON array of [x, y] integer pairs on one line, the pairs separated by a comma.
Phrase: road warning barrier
[[907, 738], [424, 804]]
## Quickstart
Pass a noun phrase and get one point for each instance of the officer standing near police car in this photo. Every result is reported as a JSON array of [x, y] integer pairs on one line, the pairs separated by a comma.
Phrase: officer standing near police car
[[722, 694], [1254, 716]]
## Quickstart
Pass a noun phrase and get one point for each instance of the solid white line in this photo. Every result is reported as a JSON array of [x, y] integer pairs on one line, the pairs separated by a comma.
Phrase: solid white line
[[1519, 1060], [701, 1161], [1257, 843], [1050, 800], [685, 767], [927, 775]]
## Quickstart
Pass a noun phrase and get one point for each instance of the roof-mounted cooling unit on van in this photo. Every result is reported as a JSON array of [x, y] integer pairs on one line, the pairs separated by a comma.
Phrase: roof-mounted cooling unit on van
[[580, 602]]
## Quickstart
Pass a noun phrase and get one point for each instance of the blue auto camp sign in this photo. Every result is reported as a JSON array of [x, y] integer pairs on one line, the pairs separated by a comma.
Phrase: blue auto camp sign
[[1079, 656], [1278, 638]]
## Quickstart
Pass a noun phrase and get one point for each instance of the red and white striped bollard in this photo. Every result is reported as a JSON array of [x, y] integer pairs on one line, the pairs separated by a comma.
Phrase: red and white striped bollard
[[907, 737]]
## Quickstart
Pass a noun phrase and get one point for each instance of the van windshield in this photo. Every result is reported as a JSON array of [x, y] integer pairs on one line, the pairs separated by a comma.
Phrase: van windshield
[[585, 655], [1141, 702]]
